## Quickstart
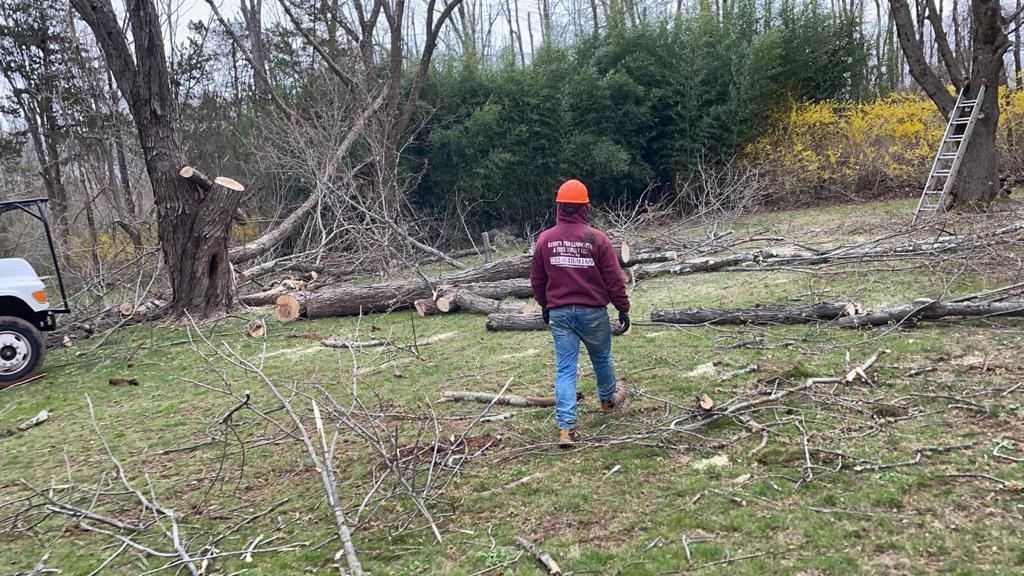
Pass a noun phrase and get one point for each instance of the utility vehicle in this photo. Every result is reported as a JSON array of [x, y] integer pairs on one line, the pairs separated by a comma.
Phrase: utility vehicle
[[25, 310]]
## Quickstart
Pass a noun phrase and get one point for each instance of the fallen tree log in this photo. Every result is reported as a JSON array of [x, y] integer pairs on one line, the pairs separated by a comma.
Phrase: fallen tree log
[[651, 258], [265, 298], [523, 323], [497, 290], [349, 300], [762, 315], [927, 309], [466, 299]]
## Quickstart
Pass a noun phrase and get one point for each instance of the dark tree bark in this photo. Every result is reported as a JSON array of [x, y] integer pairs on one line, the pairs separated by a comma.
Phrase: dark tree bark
[[193, 225], [979, 172]]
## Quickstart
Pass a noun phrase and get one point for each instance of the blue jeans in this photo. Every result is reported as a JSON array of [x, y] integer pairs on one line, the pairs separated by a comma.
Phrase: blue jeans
[[570, 325]]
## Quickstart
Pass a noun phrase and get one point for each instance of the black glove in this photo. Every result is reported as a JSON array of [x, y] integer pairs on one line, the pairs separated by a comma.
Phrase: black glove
[[624, 321], [546, 315]]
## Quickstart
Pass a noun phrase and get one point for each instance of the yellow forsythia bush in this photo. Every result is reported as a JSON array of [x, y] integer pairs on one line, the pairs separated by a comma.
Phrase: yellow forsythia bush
[[827, 148]]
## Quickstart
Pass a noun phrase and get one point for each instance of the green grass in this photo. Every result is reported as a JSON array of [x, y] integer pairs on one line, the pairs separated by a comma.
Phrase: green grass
[[910, 519]]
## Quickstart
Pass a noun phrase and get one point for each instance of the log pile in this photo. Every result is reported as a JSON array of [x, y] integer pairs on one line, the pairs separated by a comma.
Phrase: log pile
[[482, 289], [489, 280]]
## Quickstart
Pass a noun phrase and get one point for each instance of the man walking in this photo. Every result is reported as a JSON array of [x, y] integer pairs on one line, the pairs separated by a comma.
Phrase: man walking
[[575, 274]]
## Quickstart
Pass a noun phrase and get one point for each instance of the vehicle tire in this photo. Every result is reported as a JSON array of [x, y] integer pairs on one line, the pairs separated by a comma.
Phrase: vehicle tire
[[21, 351]]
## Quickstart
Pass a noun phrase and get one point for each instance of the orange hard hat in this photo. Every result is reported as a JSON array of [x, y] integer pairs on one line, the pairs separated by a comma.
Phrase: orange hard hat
[[573, 192]]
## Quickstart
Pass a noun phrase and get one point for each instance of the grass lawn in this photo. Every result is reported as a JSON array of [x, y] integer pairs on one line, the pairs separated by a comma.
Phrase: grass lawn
[[916, 472]]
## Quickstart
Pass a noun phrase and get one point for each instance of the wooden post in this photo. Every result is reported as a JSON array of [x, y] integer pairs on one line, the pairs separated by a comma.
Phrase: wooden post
[[487, 248]]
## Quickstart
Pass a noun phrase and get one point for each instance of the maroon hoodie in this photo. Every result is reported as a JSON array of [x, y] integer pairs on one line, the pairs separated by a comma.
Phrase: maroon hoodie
[[576, 264]]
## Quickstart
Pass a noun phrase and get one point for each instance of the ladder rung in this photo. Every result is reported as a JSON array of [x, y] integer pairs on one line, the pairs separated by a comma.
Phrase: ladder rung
[[968, 103], [961, 121], [948, 156], [957, 138], [932, 192], [942, 173]]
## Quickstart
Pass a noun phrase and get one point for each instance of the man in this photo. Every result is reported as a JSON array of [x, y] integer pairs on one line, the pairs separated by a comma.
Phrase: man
[[575, 274]]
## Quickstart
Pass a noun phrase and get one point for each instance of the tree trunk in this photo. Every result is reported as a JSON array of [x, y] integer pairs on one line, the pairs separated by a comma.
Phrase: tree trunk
[[926, 309], [1016, 46], [762, 315], [979, 172], [193, 225]]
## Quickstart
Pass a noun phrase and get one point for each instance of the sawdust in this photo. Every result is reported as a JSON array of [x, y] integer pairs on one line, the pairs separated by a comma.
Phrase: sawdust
[[720, 461]]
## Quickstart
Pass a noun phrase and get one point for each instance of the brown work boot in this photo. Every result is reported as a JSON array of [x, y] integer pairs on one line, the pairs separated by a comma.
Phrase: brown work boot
[[616, 400], [567, 438]]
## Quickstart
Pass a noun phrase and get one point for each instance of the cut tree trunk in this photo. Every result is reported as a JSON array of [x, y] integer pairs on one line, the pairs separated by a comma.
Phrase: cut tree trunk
[[927, 309], [350, 300], [765, 315], [427, 307]]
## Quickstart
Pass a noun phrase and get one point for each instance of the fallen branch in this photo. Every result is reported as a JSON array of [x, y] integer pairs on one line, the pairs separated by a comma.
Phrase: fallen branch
[[32, 422], [339, 343], [506, 399], [861, 371], [542, 556]]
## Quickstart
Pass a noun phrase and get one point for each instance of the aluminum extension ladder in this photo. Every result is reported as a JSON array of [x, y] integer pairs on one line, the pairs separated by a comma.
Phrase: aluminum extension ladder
[[951, 152]]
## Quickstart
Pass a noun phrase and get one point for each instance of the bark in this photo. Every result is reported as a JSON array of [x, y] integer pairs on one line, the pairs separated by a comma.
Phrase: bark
[[927, 309], [762, 315], [1016, 46], [193, 226]]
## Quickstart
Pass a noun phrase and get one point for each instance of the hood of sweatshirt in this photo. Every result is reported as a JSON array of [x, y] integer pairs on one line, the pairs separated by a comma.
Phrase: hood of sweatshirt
[[580, 217]]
